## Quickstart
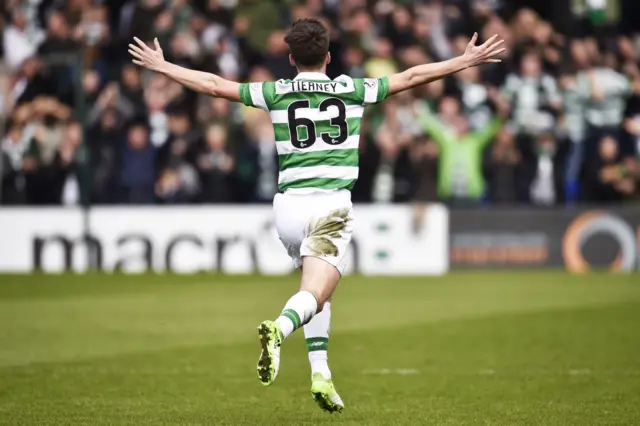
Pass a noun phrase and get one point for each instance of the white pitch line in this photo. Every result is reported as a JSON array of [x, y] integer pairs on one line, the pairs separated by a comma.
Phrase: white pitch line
[[580, 372], [392, 371]]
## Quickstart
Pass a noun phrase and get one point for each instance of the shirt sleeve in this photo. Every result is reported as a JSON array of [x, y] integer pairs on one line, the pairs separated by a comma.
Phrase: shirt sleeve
[[252, 95], [372, 90], [434, 128], [489, 132]]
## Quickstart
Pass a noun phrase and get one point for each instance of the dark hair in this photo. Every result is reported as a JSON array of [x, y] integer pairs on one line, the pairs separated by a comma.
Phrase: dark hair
[[308, 42], [177, 108], [137, 121]]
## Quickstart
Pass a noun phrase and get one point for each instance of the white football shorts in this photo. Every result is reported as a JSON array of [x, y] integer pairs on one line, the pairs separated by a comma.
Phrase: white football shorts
[[317, 224]]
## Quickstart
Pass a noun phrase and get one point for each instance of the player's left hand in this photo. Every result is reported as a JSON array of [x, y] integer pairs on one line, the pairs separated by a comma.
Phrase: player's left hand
[[144, 56], [485, 53]]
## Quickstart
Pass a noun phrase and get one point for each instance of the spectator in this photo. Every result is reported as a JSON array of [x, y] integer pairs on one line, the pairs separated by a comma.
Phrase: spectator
[[504, 169], [354, 62], [125, 97], [461, 151], [608, 180], [13, 183], [183, 13], [368, 162], [381, 61], [400, 27], [424, 157], [20, 42], [178, 184], [393, 180], [534, 96], [606, 90], [573, 129], [181, 143], [130, 89], [258, 165], [32, 81], [93, 29], [50, 156], [277, 56], [138, 16], [158, 94], [103, 149], [544, 173], [215, 165], [563, 104], [137, 168], [475, 98], [67, 164], [58, 36], [631, 124]]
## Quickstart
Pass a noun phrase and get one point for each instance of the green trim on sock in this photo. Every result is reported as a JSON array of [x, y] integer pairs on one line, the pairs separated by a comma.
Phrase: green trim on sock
[[317, 344], [293, 316]]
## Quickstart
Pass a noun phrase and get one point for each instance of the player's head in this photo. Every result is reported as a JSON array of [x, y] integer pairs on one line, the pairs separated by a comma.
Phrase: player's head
[[308, 42]]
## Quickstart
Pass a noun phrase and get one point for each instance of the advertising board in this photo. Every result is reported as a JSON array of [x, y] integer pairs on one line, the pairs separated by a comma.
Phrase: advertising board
[[577, 239], [233, 240]]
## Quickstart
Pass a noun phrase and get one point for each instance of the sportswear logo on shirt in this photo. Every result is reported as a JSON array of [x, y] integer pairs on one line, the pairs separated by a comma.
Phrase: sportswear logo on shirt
[[370, 83], [254, 87]]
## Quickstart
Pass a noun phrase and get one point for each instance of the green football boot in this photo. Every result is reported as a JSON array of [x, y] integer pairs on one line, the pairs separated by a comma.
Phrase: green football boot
[[324, 394], [269, 361]]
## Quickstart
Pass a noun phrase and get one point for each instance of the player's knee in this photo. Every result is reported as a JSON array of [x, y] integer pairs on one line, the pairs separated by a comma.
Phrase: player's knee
[[319, 278], [318, 294]]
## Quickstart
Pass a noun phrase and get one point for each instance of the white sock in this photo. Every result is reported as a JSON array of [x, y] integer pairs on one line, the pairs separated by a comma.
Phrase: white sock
[[316, 334], [298, 311]]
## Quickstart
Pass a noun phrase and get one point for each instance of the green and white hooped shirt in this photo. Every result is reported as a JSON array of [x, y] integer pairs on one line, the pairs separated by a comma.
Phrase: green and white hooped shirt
[[316, 122]]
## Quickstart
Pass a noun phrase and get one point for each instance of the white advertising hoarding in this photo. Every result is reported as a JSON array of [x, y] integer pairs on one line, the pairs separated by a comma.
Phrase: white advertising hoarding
[[234, 240], [19, 232]]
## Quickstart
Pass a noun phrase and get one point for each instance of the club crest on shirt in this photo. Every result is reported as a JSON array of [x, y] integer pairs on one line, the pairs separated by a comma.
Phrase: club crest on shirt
[[255, 87], [370, 82]]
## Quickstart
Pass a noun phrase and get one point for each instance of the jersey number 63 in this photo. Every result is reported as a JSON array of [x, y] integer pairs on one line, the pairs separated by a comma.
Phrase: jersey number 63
[[334, 132]]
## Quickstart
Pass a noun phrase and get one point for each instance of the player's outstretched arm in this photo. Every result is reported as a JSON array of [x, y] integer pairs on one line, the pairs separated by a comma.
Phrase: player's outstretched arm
[[202, 82], [473, 56]]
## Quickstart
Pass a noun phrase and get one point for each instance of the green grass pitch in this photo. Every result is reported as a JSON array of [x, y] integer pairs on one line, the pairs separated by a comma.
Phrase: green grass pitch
[[529, 348]]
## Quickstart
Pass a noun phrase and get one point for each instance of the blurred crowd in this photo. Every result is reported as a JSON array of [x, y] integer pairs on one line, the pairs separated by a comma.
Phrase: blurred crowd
[[557, 122]]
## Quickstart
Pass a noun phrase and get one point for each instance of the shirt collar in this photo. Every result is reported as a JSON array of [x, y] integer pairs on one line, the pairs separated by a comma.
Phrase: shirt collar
[[311, 76]]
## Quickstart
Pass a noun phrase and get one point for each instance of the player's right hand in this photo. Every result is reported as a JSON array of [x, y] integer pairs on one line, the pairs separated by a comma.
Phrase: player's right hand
[[485, 53], [144, 56]]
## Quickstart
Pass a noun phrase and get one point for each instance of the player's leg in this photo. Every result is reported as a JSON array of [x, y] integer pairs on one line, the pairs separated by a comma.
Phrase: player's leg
[[316, 335], [324, 250], [290, 228], [319, 280], [322, 247]]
